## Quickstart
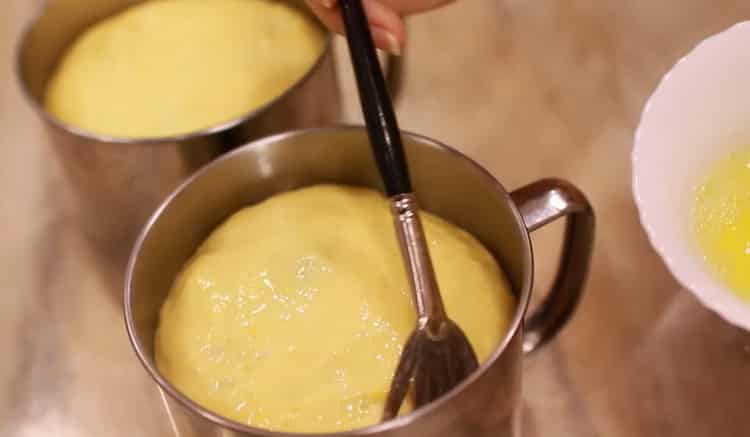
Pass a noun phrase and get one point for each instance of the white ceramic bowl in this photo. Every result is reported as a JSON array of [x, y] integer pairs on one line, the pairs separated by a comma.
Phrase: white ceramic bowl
[[699, 114]]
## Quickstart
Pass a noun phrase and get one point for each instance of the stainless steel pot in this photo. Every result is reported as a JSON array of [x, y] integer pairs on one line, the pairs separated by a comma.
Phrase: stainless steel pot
[[118, 182], [447, 183]]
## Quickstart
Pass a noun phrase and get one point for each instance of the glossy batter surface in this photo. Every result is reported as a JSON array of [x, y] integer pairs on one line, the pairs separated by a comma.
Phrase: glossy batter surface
[[168, 67], [292, 314]]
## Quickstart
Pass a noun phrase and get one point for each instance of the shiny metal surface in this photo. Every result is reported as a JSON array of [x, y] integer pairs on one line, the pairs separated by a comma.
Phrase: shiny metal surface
[[413, 244], [119, 181], [437, 355], [486, 404], [540, 203]]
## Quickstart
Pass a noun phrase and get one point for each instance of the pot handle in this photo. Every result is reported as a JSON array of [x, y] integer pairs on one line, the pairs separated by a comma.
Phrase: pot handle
[[540, 203]]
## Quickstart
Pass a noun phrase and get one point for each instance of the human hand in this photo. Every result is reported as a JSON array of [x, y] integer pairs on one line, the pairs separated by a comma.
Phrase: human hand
[[385, 17]]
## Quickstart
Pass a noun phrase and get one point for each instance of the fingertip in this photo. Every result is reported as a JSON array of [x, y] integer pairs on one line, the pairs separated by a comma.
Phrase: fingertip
[[385, 40], [328, 4], [388, 29], [398, 31], [330, 17], [387, 24]]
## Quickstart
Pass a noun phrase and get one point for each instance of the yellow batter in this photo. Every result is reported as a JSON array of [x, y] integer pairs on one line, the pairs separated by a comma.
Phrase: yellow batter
[[722, 221], [167, 67], [292, 314]]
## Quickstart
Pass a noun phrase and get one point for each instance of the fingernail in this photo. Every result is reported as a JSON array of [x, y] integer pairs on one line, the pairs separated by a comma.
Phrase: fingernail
[[386, 41], [393, 44]]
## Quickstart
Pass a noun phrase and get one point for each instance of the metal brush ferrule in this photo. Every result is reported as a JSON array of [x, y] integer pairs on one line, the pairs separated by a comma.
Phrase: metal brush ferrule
[[418, 264]]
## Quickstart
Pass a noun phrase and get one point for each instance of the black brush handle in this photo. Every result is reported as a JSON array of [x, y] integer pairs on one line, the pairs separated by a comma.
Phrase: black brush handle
[[382, 127]]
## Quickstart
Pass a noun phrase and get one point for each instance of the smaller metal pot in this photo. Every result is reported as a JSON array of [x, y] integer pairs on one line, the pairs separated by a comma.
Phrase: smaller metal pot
[[118, 182]]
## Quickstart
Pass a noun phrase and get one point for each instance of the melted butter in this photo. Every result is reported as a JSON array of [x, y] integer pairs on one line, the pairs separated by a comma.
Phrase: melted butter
[[721, 218], [169, 67], [291, 316]]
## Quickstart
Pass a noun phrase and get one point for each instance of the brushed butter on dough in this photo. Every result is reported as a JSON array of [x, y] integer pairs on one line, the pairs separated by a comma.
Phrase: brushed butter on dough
[[292, 314]]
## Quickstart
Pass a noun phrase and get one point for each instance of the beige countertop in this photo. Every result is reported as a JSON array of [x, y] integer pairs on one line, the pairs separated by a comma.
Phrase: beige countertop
[[529, 89]]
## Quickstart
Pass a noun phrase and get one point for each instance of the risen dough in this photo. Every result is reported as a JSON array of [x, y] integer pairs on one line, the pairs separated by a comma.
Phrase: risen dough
[[291, 315], [167, 67]]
